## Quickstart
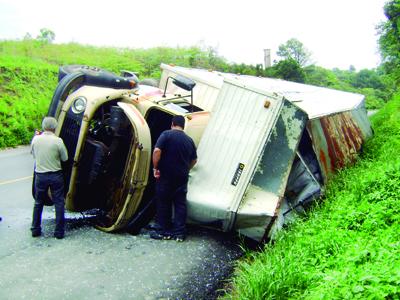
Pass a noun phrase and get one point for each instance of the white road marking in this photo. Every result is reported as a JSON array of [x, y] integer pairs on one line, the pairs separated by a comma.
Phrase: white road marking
[[15, 180]]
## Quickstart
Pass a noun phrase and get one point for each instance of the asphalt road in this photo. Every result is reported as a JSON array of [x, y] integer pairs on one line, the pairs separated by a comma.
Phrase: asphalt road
[[90, 264]]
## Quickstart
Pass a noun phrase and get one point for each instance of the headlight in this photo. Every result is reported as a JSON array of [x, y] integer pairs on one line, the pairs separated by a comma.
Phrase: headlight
[[79, 105]]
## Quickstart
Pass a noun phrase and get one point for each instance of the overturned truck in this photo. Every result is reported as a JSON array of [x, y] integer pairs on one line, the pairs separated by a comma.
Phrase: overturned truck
[[266, 147]]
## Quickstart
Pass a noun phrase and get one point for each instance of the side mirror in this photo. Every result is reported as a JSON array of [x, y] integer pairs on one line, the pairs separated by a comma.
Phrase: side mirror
[[184, 83]]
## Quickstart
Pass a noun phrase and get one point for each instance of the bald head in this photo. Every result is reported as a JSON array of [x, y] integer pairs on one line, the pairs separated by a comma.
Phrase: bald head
[[49, 124]]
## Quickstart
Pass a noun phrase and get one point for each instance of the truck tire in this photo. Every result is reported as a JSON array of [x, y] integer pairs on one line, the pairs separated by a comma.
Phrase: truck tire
[[67, 84], [69, 69]]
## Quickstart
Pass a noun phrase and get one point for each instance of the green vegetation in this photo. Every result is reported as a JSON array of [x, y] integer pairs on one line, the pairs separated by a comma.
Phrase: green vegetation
[[26, 87], [348, 247], [144, 61], [28, 73], [389, 40], [294, 49], [28, 76]]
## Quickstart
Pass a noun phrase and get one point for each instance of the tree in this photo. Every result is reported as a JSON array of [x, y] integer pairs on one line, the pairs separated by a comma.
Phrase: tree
[[294, 49], [321, 77], [389, 40], [288, 69], [27, 36], [46, 35], [367, 79]]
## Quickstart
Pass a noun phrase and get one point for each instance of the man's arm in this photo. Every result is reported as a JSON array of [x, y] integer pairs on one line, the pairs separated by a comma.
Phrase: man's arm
[[32, 150], [194, 156], [63, 152], [156, 160], [156, 157]]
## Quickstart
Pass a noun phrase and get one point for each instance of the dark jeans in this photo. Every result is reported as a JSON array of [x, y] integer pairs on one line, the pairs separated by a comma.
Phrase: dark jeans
[[171, 192], [54, 181]]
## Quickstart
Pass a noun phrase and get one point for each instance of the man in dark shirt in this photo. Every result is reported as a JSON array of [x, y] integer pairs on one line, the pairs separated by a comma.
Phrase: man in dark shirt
[[174, 155]]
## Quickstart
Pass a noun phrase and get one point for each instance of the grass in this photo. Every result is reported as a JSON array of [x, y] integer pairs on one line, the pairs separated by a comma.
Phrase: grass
[[26, 88], [144, 61], [348, 246]]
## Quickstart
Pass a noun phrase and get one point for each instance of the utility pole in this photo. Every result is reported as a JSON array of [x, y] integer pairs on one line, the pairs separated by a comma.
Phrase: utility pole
[[267, 58]]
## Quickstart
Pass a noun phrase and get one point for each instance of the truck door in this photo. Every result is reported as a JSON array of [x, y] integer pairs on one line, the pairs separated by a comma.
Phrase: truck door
[[136, 171]]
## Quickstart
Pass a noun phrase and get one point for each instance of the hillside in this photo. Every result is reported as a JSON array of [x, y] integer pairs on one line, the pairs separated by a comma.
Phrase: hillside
[[28, 77], [28, 72], [146, 62], [26, 87]]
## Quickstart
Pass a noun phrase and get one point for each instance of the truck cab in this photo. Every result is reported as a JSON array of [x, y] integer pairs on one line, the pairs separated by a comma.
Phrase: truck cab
[[110, 132]]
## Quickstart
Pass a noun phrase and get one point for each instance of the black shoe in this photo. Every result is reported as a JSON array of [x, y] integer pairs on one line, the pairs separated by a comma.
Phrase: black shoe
[[179, 237], [59, 236], [36, 233], [153, 226], [160, 236]]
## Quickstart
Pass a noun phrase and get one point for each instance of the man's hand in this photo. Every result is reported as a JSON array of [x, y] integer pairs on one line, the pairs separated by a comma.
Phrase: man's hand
[[192, 163], [156, 173], [156, 159]]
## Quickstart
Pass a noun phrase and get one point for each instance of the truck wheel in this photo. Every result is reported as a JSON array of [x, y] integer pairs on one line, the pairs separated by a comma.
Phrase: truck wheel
[[64, 87], [69, 69]]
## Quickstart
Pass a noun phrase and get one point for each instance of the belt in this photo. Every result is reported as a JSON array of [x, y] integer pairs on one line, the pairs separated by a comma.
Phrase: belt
[[51, 172]]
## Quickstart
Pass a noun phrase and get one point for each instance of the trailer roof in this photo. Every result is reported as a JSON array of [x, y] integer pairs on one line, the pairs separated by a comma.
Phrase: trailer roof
[[315, 101], [210, 77]]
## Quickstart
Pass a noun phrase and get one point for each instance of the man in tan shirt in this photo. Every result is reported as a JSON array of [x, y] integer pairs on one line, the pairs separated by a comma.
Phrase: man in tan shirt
[[48, 151]]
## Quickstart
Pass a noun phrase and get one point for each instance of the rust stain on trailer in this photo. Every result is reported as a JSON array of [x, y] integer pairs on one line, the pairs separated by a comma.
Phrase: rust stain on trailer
[[323, 159], [343, 140]]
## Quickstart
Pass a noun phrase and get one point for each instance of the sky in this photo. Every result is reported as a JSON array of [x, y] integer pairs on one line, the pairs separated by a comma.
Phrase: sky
[[338, 33]]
